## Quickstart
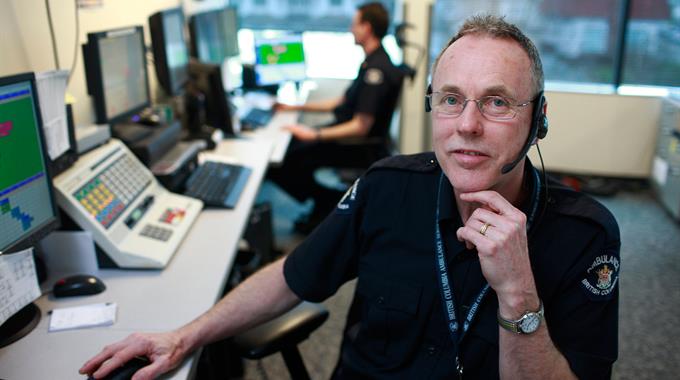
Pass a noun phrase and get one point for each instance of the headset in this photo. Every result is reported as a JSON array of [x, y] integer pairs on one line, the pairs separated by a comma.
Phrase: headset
[[539, 127]]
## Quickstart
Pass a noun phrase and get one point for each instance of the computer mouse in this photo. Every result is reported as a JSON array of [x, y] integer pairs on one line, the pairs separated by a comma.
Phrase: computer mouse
[[128, 369], [78, 285]]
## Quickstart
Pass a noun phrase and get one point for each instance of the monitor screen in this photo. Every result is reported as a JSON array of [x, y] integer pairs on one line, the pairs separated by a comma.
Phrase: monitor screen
[[27, 207], [214, 35], [171, 55], [26, 201], [116, 73], [279, 60]]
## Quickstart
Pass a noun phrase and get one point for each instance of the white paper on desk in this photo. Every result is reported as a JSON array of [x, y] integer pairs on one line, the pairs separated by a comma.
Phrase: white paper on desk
[[18, 282], [51, 92], [217, 157], [69, 318]]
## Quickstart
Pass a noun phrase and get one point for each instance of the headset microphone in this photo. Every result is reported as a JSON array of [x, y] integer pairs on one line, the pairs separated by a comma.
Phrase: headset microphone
[[539, 128]]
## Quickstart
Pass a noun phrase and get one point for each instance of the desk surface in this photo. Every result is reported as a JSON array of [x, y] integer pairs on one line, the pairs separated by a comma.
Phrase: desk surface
[[148, 300], [275, 135]]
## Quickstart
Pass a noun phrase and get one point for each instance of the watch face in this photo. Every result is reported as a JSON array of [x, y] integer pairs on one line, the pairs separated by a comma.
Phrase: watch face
[[530, 323]]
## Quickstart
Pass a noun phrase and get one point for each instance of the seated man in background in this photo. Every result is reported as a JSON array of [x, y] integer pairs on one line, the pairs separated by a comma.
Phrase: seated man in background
[[469, 264], [360, 133]]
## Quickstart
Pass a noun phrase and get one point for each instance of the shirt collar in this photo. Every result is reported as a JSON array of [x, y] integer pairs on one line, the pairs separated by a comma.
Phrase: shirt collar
[[374, 54]]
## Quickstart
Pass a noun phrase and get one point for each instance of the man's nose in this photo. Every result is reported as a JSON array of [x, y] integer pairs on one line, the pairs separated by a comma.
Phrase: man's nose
[[470, 121]]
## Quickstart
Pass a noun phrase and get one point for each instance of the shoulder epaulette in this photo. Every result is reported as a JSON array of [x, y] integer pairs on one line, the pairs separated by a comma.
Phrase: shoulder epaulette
[[420, 162], [573, 203]]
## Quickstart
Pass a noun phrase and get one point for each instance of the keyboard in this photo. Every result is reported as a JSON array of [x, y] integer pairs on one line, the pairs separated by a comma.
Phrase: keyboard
[[217, 184], [107, 195], [257, 117]]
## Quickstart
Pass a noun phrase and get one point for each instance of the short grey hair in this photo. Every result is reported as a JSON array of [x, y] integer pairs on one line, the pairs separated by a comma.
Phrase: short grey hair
[[497, 27]]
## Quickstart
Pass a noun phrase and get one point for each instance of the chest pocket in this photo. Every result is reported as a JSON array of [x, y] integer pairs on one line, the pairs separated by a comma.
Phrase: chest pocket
[[389, 330], [480, 346]]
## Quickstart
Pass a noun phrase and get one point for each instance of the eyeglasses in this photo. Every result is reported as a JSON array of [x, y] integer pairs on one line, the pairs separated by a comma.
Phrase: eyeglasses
[[494, 107]]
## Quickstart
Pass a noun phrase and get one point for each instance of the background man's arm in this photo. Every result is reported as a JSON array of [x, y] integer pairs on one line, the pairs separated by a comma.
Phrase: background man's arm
[[326, 105], [358, 126]]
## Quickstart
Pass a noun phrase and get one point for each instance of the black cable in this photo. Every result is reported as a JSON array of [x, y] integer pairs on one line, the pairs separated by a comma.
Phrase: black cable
[[546, 194], [75, 48], [54, 41]]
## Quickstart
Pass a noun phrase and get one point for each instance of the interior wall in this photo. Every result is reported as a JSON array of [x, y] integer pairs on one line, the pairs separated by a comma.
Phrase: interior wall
[[34, 43], [413, 133], [610, 135], [14, 58]]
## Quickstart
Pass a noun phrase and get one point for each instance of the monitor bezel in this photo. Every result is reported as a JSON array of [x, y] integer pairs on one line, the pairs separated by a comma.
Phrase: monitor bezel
[[52, 223], [194, 35], [157, 23], [218, 113], [95, 80]]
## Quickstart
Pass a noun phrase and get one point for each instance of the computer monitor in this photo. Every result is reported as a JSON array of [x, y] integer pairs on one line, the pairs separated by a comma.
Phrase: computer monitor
[[115, 66], [27, 207], [170, 52], [206, 79], [214, 35], [279, 60]]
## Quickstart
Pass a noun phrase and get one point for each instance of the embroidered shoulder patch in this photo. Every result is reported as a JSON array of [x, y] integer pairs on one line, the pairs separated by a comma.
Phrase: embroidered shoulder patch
[[601, 277], [346, 204], [373, 76]]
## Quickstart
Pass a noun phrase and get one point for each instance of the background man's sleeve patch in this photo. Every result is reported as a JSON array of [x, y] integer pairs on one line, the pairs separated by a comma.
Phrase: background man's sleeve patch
[[373, 76]]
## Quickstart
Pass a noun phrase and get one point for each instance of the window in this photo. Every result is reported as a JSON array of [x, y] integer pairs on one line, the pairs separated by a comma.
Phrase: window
[[330, 51], [579, 39], [301, 15], [652, 53]]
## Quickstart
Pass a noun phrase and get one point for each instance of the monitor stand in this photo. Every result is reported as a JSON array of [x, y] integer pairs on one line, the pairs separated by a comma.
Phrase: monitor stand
[[19, 325]]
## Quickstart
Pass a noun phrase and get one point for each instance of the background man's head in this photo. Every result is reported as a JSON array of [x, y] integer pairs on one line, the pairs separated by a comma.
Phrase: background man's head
[[370, 21], [497, 27]]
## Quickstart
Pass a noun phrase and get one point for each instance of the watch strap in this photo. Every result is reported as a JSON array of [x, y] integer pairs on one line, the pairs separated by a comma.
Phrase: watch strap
[[515, 326]]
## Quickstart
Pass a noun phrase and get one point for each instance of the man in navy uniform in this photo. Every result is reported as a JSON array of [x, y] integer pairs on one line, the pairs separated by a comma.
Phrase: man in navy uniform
[[359, 135], [469, 263]]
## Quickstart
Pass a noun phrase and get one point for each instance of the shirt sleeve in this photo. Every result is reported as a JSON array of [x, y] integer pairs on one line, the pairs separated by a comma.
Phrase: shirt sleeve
[[583, 317], [374, 88], [328, 257]]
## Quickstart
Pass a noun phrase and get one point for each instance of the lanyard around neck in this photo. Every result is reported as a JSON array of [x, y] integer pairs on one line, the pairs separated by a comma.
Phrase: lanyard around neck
[[445, 284]]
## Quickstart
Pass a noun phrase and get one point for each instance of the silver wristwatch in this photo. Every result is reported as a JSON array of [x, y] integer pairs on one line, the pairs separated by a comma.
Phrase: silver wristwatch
[[527, 324]]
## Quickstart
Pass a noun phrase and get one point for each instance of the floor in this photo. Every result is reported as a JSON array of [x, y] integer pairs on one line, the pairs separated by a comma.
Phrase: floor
[[649, 316]]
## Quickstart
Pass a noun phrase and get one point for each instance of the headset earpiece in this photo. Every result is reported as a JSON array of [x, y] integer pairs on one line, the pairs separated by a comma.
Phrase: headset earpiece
[[539, 119], [428, 107], [543, 128]]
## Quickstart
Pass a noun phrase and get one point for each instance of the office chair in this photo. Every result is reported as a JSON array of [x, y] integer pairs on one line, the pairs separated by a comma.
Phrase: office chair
[[283, 334]]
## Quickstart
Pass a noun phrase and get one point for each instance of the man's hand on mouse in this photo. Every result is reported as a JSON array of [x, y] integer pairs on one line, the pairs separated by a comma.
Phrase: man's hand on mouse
[[164, 351], [498, 230]]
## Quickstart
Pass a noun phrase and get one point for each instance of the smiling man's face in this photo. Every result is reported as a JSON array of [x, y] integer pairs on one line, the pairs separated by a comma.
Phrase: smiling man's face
[[470, 148]]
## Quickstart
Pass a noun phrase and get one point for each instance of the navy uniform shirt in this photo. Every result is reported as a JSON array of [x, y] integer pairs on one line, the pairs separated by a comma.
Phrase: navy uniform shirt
[[382, 232], [374, 91]]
